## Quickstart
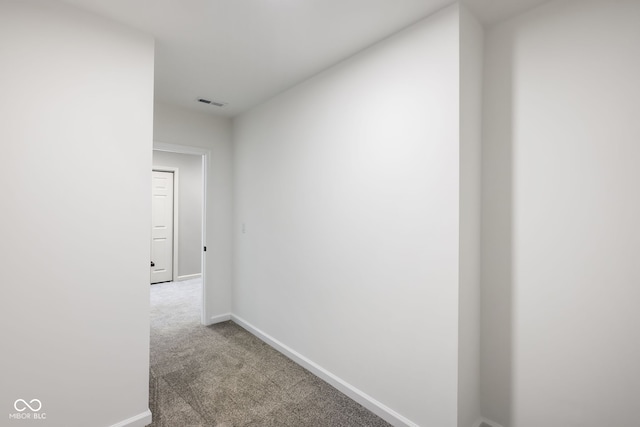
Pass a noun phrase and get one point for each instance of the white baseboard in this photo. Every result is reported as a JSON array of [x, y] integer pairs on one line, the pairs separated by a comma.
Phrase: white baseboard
[[486, 422], [188, 277], [140, 420], [217, 319], [359, 396]]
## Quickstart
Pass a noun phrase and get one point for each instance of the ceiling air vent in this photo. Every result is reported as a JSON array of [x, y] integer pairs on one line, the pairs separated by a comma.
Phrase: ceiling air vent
[[213, 103]]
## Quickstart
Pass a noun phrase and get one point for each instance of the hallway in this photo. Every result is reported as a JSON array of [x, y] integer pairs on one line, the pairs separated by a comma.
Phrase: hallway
[[221, 375]]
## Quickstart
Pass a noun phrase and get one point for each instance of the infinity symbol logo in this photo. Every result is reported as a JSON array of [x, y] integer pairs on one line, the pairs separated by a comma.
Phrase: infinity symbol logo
[[22, 405]]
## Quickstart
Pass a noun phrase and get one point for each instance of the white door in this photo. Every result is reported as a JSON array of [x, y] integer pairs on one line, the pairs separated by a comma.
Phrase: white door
[[162, 227]]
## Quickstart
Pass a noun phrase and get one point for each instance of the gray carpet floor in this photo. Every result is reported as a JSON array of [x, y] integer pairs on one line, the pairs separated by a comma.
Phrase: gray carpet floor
[[223, 376]]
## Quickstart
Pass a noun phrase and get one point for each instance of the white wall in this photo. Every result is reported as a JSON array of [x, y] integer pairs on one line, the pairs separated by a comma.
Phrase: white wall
[[172, 125], [561, 125], [189, 208], [76, 107], [496, 231], [347, 190], [471, 64]]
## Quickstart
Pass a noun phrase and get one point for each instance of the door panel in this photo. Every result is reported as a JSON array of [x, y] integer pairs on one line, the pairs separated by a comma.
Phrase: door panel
[[162, 227]]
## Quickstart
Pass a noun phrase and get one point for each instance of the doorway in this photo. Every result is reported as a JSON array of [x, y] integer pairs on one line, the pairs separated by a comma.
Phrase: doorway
[[163, 225], [189, 219]]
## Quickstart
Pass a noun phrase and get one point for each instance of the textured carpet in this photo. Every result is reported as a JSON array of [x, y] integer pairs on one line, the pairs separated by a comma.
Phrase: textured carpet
[[223, 376]]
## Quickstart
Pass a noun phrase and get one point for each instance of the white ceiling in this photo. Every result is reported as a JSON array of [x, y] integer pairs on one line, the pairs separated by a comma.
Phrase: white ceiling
[[244, 51], [493, 11]]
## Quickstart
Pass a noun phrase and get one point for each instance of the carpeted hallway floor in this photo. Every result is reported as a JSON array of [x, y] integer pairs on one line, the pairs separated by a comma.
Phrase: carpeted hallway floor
[[223, 376]]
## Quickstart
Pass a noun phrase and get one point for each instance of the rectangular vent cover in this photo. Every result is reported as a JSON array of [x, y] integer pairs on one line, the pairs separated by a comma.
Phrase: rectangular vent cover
[[214, 103]]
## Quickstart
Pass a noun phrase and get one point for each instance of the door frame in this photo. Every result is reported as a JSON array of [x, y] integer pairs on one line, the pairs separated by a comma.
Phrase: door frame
[[176, 210], [206, 156]]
